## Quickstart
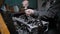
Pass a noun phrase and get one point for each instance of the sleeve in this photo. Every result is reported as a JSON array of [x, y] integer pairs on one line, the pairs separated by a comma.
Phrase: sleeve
[[40, 13], [50, 13]]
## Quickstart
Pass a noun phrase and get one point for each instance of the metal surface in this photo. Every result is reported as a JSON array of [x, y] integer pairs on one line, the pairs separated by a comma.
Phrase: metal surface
[[29, 25]]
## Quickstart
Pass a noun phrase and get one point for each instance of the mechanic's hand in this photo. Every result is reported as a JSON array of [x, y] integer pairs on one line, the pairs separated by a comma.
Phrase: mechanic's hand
[[29, 12]]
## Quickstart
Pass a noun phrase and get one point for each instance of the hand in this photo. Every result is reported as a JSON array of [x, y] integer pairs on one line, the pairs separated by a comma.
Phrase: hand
[[29, 12]]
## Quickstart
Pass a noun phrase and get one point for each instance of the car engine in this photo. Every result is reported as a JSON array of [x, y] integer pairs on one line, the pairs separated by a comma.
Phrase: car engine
[[29, 25]]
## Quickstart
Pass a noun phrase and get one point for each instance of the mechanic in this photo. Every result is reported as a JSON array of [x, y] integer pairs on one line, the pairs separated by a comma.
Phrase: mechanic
[[52, 15]]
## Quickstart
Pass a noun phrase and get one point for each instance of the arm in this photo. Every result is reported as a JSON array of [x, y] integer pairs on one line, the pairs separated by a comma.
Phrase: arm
[[50, 13]]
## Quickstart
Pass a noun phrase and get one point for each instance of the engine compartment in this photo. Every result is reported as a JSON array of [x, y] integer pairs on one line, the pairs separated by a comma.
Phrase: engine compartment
[[29, 24]]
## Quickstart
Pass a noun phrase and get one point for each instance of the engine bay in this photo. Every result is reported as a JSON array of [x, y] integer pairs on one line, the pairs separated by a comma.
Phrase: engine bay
[[29, 24]]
